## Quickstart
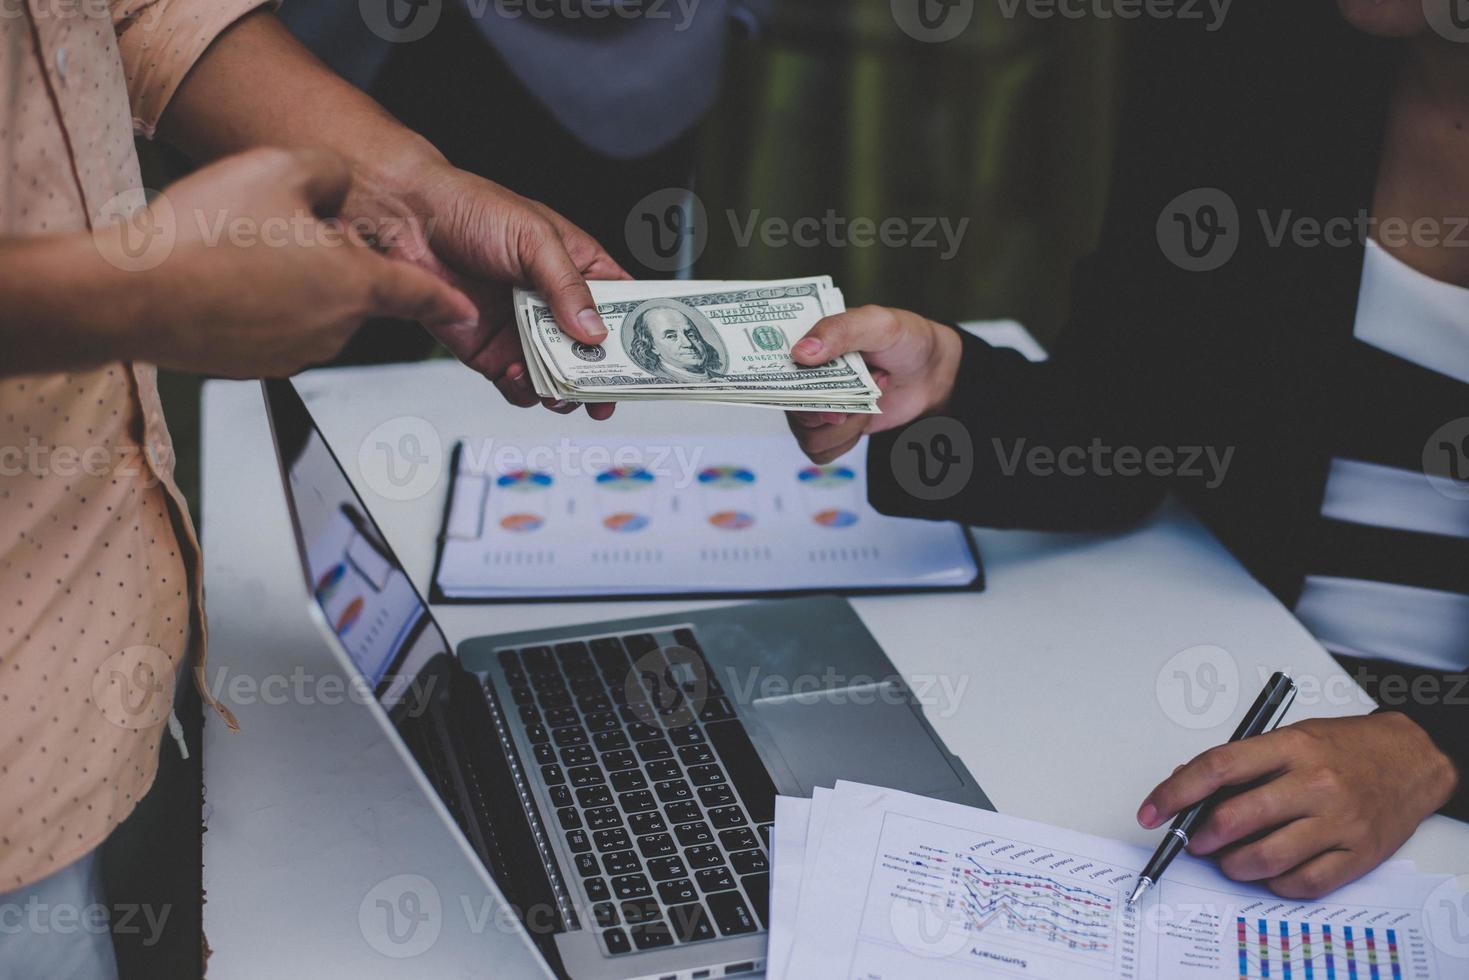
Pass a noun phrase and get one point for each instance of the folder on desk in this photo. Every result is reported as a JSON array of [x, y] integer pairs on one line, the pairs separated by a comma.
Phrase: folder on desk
[[684, 517]]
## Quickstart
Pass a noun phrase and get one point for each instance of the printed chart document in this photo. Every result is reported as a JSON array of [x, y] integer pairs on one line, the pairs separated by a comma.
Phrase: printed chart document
[[897, 886], [689, 515]]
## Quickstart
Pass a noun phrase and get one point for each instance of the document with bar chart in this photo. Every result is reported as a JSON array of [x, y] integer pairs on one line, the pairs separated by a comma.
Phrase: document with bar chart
[[686, 516], [1297, 947], [904, 887]]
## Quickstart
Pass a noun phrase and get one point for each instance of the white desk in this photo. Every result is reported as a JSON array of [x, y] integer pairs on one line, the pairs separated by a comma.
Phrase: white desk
[[1068, 706]]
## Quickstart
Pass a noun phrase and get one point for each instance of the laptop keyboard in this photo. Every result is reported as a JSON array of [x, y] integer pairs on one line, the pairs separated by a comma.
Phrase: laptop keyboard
[[660, 797]]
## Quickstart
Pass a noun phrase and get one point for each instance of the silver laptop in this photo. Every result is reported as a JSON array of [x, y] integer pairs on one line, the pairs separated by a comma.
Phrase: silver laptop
[[617, 780]]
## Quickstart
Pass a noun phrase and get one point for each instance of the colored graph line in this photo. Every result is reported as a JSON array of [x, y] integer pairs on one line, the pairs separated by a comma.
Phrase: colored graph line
[[1071, 916]]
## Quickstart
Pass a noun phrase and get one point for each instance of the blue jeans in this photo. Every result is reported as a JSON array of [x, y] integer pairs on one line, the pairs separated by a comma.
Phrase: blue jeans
[[57, 928]]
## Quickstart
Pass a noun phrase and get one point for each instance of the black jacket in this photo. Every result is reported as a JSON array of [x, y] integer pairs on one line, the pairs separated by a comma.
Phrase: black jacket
[[1284, 110]]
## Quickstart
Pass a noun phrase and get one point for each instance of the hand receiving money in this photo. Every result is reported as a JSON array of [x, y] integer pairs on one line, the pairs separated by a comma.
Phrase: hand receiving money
[[708, 341]]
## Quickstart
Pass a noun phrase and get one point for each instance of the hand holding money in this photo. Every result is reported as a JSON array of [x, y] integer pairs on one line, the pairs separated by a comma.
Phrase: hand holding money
[[709, 341]]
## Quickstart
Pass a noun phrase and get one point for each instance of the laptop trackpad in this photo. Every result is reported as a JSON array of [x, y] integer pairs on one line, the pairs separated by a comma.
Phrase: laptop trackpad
[[867, 734]]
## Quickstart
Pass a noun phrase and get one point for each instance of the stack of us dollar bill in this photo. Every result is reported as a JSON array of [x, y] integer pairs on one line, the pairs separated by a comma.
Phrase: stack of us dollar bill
[[707, 341]]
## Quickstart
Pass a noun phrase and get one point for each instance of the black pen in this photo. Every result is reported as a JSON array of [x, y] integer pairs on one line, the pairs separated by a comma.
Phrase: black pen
[[1262, 717]]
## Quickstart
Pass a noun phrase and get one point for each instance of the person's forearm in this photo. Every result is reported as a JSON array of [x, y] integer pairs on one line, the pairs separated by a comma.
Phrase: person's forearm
[[1443, 718], [257, 85], [63, 307], [1000, 408]]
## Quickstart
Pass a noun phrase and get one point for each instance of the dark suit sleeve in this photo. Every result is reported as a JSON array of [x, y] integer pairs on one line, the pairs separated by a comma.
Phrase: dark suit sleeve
[[1118, 380], [1044, 455], [1081, 441]]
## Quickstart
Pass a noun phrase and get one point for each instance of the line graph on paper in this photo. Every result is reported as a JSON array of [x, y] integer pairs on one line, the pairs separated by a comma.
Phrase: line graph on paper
[[987, 905], [954, 903], [1040, 907]]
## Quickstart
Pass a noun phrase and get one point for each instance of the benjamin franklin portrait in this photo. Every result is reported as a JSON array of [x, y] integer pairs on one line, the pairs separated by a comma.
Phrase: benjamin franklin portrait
[[675, 341]]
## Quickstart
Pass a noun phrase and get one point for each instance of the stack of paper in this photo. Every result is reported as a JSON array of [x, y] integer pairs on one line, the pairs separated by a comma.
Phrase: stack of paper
[[881, 885], [707, 341]]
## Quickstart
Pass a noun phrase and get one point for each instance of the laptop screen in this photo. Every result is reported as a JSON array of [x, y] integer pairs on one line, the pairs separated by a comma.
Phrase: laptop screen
[[444, 715], [355, 579]]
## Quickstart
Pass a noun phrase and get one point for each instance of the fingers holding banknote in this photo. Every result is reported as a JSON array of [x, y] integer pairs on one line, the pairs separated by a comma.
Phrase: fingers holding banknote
[[912, 359], [717, 342], [484, 239]]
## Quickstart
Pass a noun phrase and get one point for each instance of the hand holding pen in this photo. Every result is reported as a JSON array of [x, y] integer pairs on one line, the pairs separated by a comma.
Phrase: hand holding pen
[[1312, 805], [1264, 715]]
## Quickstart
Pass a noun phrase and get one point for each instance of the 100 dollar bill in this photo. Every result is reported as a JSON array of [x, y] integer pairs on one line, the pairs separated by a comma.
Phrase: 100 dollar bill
[[726, 343]]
